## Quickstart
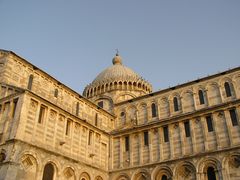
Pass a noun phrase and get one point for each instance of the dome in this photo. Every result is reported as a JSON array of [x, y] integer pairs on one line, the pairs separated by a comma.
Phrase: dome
[[117, 72], [116, 75]]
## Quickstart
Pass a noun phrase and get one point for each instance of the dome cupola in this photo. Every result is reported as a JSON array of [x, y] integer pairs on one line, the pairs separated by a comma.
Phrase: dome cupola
[[117, 78]]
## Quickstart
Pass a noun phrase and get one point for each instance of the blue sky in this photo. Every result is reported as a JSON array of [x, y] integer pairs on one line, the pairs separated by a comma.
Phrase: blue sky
[[168, 42]]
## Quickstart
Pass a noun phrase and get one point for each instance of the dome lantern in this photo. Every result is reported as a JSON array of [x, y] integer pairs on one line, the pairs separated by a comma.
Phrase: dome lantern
[[117, 60]]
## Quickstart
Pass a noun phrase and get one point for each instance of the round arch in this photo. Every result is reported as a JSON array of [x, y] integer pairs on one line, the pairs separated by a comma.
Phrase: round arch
[[231, 85], [49, 171], [231, 165], [205, 164], [30, 165], [161, 171], [98, 178], [142, 113], [69, 173], [188, 101], [214, 94], [124, 97], [184, 171], [141, 174], [122, 177], [84, 176]]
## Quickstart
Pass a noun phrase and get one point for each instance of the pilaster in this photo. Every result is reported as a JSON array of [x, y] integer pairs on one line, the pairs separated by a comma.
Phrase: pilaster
[[204, 130], [182, 137], [193, 136], [229, 126], [170, 129], [215, 117]]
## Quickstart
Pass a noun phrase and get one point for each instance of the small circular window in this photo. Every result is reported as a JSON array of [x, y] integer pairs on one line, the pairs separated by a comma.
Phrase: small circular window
[[122, 114]]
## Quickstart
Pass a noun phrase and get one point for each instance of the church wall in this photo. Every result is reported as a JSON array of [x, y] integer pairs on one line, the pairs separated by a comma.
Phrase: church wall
[[17, 73], [188, 99], [225, 164], [46, 126], [40, 126], [224, 136], [200, 141], [27, 162]]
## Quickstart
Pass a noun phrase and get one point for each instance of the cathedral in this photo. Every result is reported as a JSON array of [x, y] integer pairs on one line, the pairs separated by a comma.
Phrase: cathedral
[[118, 129]]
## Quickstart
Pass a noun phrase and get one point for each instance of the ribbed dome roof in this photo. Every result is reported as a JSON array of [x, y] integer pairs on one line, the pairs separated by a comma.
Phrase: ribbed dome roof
[[117, 73]]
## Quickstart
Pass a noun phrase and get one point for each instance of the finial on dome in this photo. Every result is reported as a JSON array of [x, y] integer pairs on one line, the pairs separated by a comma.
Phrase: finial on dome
[[117, 59], [117, 52]]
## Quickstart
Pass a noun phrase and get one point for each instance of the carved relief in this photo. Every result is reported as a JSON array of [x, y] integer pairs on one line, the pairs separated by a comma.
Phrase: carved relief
[[18, 68], [197, 120], [27, 163], [142, 176], [53, 114], [69, 173], [33, 105], [61, 118], [176, 125], [185, 171], [234, 161]]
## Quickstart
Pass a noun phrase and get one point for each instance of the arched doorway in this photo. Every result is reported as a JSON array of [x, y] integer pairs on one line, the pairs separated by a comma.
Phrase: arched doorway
[[211, 173], [48, 173], [164, 177], [210, 169], [162, 173]]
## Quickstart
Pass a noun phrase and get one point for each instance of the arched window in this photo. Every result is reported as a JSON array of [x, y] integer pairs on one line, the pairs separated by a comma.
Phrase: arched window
[[120, 85], [154, 110], [48, 172], [139, 85], [30, 81], [211, 173], [164, 177], [91, 92], [227, 89], [175, 103], [102, 88], [115, 85], [201, 97]]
